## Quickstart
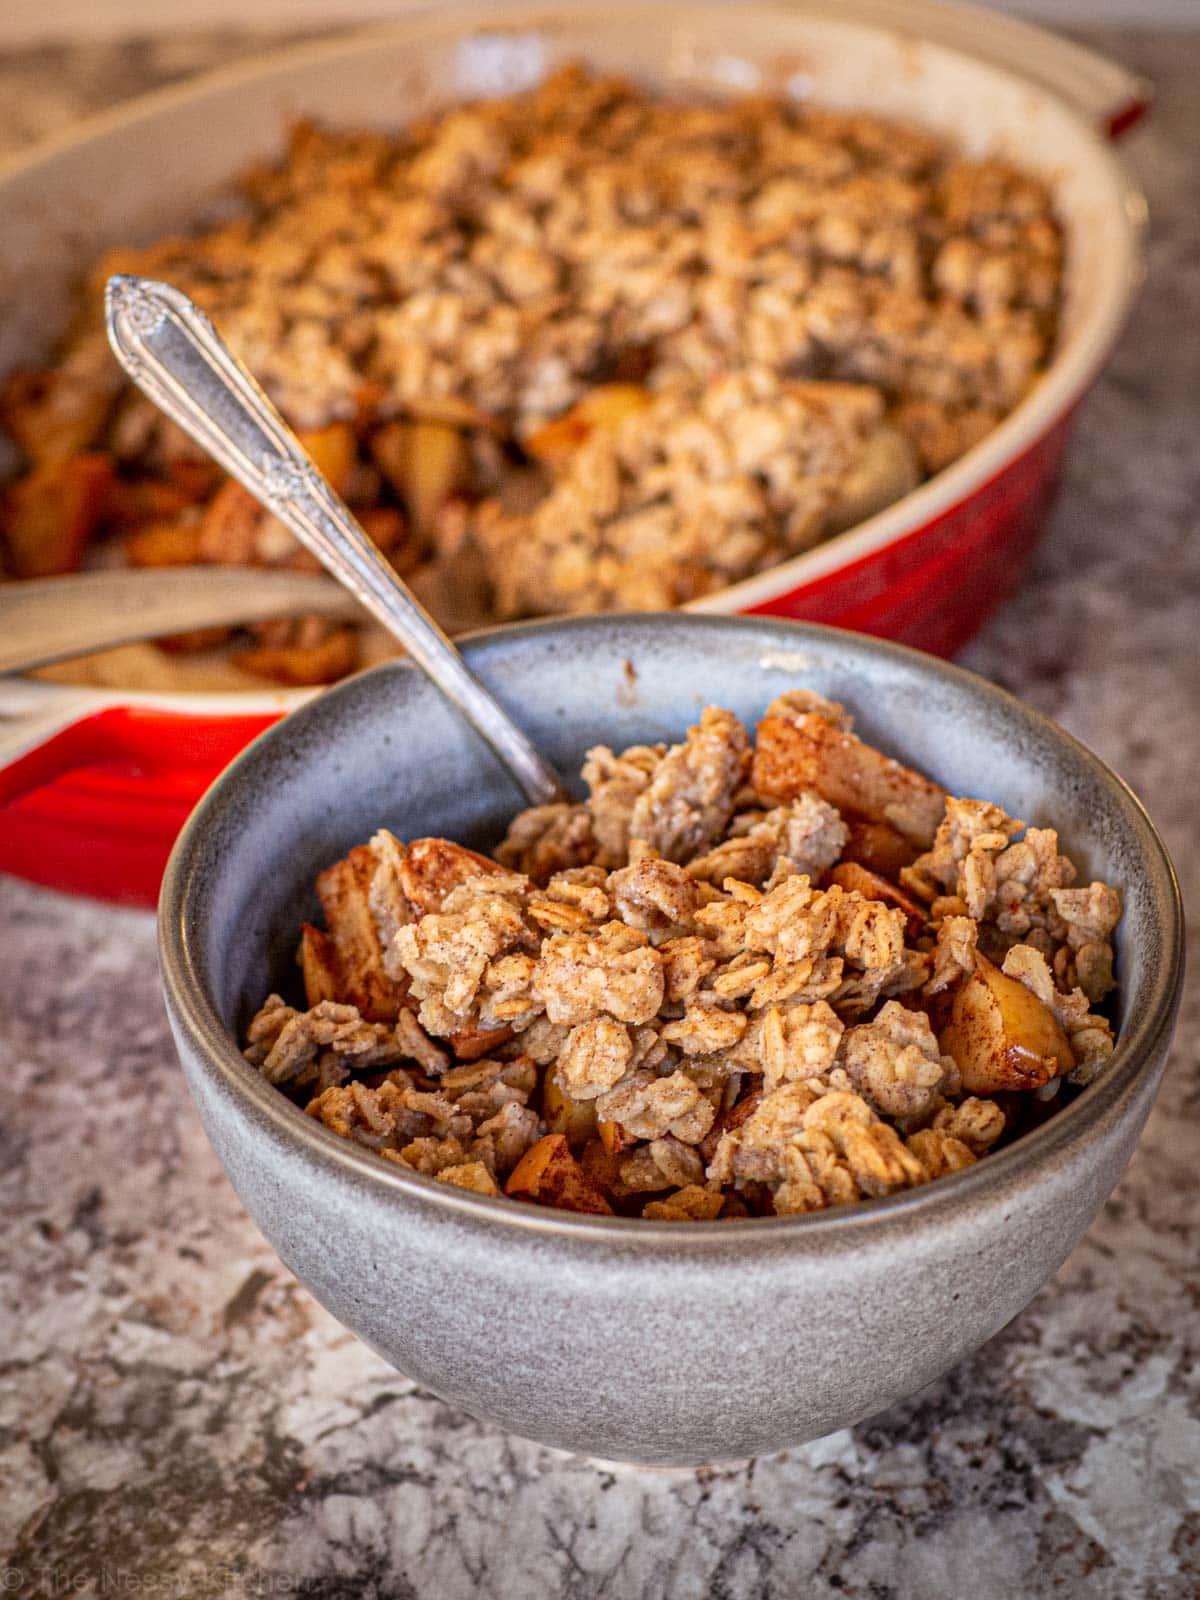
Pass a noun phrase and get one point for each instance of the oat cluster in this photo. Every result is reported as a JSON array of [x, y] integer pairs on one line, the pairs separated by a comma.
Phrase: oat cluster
[[571, 349], [740, 978]]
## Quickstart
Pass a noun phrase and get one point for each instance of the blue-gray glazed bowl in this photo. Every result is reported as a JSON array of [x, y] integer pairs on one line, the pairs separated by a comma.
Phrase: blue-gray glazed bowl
[[616, 1337]]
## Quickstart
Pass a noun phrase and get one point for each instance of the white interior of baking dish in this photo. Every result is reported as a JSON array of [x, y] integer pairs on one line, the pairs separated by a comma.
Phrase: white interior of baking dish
[[163, 163]]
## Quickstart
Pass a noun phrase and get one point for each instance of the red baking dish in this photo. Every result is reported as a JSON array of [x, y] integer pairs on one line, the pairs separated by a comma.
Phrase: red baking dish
[[94, 784]]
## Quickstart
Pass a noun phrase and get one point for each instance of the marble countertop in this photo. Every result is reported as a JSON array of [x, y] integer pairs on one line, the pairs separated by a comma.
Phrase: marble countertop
[[178, 1416]]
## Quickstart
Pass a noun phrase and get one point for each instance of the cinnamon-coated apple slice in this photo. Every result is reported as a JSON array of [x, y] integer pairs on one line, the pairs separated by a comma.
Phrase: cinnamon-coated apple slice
[[564, 1114], [1001, 1035]]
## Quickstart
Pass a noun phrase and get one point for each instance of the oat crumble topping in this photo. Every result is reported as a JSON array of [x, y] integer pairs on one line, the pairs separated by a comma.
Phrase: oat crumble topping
[[574, 349], [608, 1018]]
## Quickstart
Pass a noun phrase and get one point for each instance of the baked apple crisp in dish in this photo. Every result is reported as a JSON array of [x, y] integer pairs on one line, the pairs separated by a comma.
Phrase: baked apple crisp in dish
[[573, 349], [743, 977]]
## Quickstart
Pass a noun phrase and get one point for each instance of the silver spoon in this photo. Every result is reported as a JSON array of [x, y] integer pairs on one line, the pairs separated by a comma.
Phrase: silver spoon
[[175, 356]]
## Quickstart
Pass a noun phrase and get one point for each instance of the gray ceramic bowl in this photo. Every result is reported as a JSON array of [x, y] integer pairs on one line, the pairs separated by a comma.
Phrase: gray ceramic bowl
[[654, 1342]]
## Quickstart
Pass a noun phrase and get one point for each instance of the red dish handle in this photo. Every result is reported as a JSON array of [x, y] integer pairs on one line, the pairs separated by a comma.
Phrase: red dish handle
[[71, 747], [136, 744]]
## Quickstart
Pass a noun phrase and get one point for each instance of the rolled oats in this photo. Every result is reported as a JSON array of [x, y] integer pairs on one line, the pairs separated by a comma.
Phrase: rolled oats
[[595, 1057], [284, 1043], [895, 1064], [546, 839], [973, 1122], [939, 1152], [468, 1175], [662, 1164], [807, 836], [705, 1028], [688, 801], [798, 1042], [691, 1204], [1090, 916], [650, 1108], [954, 952], [655, 897], [614, 971]]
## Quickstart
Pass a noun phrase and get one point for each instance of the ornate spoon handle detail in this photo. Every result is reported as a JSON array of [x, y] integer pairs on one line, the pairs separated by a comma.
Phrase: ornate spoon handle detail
[[175, 356]]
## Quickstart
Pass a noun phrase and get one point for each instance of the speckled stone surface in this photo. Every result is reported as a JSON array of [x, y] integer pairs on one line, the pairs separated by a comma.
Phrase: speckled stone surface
[[177, 1416]]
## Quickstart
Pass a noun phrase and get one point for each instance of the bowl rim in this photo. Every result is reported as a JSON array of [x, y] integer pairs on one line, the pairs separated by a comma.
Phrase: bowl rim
[[1146, 1023], [1070, 372]]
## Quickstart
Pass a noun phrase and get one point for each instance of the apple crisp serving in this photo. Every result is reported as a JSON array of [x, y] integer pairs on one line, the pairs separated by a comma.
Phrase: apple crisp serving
[[742, 978], [573, 349]]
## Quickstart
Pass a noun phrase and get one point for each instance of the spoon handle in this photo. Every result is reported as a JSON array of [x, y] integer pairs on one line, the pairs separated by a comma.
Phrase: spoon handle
[[175, 356]]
